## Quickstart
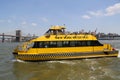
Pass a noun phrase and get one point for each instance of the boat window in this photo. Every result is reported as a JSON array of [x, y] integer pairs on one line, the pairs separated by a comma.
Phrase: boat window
[[54, 32], [35, 45], [59, 44], [65, 43], [53, 44], [40, 45], [30, 45], [45, 44], [96, 43], [83, 43], [72, 43], [88, 43], [78, 43]]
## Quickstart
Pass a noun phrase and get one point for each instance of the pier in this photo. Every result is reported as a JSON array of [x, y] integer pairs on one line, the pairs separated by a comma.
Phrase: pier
[[15, 38]]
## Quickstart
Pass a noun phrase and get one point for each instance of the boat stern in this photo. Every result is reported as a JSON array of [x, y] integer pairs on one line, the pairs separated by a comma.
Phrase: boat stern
[[110, 51]]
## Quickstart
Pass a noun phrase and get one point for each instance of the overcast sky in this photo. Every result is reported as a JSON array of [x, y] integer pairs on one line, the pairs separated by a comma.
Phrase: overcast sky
[[36, 16]]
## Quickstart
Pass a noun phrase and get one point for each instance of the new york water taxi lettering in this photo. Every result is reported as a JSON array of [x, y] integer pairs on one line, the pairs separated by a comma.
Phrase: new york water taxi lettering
[[71, 37]]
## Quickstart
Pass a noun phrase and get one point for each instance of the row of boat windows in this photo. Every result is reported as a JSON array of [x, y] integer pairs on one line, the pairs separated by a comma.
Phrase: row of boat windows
[[51, 44]]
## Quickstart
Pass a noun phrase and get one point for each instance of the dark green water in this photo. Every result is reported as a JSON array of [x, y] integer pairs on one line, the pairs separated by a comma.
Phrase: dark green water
[[83, 69]]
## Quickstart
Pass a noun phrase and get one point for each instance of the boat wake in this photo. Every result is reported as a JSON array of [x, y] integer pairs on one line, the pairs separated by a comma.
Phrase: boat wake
[[17, 60], [62, 62]]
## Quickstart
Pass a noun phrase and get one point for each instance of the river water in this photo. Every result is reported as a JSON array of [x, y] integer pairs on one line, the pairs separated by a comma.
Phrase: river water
[[83, 69]]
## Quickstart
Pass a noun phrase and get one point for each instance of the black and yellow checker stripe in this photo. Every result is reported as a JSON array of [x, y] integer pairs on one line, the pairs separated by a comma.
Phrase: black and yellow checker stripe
[[57, 56]]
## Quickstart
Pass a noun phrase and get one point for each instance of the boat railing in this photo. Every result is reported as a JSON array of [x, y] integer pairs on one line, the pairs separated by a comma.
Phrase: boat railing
[[24, 47]]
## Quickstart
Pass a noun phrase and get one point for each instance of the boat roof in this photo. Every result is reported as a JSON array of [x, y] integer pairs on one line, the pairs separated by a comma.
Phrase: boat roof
[[57, 27]]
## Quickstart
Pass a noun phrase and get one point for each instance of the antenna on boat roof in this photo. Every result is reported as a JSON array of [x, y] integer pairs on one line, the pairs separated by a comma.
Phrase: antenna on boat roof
[[95, 31]]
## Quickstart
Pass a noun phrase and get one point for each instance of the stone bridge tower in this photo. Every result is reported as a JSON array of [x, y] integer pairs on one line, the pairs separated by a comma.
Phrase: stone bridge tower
[[18, 36]]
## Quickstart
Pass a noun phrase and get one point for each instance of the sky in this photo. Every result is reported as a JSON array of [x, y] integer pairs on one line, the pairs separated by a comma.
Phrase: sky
[[36, 16]]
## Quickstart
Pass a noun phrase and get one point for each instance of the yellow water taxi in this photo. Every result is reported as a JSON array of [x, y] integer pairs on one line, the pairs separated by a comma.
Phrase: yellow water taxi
[[57, 44]]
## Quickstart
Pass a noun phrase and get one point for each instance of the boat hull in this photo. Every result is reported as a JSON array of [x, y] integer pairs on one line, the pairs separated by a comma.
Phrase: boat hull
[[63, 56]]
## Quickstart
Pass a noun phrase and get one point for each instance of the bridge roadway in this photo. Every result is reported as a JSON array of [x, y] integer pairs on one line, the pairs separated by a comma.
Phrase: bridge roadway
[[8, 35], [15, 38]]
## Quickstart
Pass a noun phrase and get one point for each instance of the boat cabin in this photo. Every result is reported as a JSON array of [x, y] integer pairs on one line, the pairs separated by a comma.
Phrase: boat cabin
[[56, 30]]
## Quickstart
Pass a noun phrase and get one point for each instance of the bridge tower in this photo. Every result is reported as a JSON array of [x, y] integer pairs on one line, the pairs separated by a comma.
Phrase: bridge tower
[[18, 35], [3, 37]]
